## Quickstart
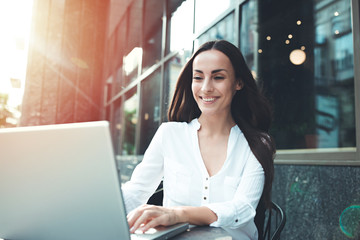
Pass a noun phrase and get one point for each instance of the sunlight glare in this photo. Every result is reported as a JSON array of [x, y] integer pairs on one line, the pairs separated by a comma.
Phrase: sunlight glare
[[15, 19]]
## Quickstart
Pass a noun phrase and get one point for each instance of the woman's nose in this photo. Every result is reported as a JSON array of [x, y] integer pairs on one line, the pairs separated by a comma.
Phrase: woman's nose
[[207, 85]]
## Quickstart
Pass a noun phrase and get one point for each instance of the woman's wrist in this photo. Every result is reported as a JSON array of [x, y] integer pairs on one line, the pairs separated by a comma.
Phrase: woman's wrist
[[180, 214], [194, 215]]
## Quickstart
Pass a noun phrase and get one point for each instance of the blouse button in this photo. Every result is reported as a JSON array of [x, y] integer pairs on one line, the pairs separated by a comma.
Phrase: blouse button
[[236, 220], [206, 187], [204, 198]]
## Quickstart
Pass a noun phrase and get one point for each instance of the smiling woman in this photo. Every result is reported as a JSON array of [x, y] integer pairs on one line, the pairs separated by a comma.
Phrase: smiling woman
[[15, 19]]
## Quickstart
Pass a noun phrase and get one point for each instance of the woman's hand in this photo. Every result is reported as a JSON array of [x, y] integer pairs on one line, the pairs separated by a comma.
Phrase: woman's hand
[[149, 216]]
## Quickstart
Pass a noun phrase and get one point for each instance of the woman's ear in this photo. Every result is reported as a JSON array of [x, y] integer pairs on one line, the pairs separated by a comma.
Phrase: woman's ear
[[239, 85]]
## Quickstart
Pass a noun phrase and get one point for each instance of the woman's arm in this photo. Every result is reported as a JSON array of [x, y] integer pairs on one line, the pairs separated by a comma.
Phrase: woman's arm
[[148, 216], [241, 209], [146, 176]]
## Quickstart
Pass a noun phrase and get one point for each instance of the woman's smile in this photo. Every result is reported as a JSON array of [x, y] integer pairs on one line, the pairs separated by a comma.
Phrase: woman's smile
[[208, 99]]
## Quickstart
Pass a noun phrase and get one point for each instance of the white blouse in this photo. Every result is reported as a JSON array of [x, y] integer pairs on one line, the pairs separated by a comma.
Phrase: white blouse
[[174, 156]]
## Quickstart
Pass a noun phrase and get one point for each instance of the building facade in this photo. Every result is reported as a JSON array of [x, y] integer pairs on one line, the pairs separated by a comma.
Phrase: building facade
[[121, 59], [65, 63]]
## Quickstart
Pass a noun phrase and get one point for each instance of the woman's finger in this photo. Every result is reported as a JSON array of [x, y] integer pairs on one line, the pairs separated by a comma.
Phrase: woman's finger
[[146, 216], [161, 220], [132, 216], [137, 216]]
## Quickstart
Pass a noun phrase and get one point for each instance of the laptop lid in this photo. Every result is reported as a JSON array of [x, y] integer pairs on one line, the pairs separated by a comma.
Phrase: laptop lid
[[60, 182]]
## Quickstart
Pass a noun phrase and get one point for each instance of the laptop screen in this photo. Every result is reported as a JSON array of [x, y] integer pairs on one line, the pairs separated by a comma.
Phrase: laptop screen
[[60, 182]]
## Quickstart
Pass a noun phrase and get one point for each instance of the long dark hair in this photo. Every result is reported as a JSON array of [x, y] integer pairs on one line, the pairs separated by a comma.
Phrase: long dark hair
[[249, 108]]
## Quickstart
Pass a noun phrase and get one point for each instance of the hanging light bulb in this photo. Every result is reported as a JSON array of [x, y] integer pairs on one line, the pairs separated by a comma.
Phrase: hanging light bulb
[[297, 57]]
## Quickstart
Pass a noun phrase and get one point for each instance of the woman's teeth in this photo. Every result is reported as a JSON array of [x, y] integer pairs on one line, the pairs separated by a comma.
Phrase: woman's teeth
[[208, 99]]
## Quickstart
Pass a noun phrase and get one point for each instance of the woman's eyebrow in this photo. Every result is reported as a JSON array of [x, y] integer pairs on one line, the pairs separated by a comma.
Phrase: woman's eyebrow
[[218, 70], [212, 72]]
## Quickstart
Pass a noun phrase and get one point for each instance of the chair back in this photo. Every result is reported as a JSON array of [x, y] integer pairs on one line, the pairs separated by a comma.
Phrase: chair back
[[274, 222]]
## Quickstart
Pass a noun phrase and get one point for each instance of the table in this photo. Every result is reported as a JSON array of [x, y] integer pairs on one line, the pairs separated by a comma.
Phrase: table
[[203, 232]]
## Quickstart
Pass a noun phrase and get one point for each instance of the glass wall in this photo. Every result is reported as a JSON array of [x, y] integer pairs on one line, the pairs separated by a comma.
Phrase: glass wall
[[152, 44], [131, 105], [181, 27], [221, 30], [302, 54], [150, 109], [206, 11], [117, 126], [133, 51], [172, 70]]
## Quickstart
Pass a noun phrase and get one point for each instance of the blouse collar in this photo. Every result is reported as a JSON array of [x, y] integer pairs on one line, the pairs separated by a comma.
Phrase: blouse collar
[[195, 124]]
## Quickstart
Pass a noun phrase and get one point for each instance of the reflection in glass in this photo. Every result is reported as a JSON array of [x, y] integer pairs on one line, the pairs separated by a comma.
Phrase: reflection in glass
[[207, 10], [152, 33], [150, 109], [249, 36], [131, 118], [117, 126], [312, 92], [120, 43], [297, 57], [133, 51], [132, 63], [221, 30], [181, 26], [109, 89], [119, 80], [172, 71]]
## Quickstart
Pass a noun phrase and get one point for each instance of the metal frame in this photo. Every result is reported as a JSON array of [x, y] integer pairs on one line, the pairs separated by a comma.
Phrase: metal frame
[[274, 223], [355, 9]]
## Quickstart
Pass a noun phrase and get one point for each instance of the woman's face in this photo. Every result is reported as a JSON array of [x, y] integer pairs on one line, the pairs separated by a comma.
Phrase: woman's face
[[214, 83]]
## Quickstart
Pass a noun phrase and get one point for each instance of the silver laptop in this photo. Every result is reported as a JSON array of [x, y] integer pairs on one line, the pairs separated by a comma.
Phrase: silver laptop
[[61, 182]]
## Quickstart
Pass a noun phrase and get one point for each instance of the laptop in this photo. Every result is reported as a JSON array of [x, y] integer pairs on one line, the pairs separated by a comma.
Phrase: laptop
[[61, 182]]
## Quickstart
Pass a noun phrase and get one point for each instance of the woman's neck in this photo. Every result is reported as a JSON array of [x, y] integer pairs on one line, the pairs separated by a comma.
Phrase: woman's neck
[[216, 124]]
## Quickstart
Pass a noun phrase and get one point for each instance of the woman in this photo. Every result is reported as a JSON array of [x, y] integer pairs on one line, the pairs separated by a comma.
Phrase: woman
[[215, 155]]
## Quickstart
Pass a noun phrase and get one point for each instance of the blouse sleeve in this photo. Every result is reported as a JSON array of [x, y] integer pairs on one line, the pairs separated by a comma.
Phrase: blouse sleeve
[[146, 176], [242, 208]]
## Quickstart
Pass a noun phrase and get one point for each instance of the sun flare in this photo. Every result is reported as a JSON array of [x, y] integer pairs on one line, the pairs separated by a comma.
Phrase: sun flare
[[15, 19]]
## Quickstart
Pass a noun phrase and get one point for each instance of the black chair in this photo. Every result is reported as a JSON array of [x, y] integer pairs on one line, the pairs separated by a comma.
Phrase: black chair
[[270, 222], [157, 197]]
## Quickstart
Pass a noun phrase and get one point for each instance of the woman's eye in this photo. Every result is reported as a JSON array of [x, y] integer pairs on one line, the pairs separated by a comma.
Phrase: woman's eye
[[218, 77], [197, 78]]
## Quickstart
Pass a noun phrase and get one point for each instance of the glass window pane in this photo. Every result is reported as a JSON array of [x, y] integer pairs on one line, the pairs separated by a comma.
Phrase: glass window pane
[[181, 27], [116, 127], [109, 89], [302, 54], [131, 118], [132, 63], [172, 70], [221, 30], [150, 109], [152, 32], [119, 80], [208, 10], [249, 35], [120, 50], [133, 51]]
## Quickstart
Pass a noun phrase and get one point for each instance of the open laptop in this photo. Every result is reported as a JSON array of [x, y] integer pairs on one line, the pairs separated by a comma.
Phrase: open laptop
[[61, 182]]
